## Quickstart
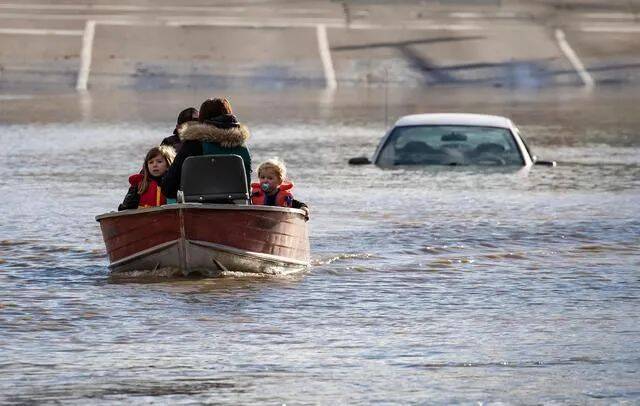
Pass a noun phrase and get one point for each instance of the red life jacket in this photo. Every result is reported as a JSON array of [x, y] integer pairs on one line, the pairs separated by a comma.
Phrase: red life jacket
[[153, 196], [283, 196]]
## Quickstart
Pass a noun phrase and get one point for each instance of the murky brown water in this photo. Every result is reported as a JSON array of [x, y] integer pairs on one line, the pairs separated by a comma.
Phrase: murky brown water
[[436, 285]]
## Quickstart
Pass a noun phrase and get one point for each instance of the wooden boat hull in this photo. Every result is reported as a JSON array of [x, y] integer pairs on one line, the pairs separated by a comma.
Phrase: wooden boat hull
[[207, 239]]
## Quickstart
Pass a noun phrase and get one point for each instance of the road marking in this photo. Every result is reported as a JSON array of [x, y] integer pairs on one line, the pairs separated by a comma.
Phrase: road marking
[[25, 31], [229, 21], [329, 23], [586, 78], [608, 28], [464, 14], [611, 16], [255, 23], [325, 56], [108, 7], [415, 25], [62, 17], [320, 24], [6, 97], [305, 11], [133, 23], [85, 58]]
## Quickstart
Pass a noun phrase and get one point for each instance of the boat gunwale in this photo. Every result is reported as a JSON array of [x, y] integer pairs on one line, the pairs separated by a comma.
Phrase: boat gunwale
[[200, 206]]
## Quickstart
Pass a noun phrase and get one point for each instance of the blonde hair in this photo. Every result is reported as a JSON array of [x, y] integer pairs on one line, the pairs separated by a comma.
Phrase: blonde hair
[[167, 152], [276, 165]]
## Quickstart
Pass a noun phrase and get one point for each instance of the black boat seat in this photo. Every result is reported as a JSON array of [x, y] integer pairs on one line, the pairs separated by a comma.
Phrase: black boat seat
[[213, 179]]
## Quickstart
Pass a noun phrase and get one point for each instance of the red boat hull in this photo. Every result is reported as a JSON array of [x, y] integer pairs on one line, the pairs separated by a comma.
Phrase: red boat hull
[[207, 238]]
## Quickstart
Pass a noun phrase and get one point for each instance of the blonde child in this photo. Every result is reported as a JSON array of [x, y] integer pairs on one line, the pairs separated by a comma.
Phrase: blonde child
[[145, 190], [272, 190]]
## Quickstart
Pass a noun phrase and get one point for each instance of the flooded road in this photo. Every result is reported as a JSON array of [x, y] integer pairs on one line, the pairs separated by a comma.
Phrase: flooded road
[[442, 285]]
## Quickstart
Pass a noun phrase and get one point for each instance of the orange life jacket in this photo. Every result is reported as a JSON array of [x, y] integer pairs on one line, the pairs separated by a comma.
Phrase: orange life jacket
[[153, 196], [284, 197]]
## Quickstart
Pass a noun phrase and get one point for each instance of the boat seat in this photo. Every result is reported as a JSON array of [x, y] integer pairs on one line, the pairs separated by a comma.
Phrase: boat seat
[[213, 179]]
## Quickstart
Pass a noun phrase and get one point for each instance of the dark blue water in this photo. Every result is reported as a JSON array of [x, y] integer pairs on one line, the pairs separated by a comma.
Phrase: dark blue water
[[428, 286]]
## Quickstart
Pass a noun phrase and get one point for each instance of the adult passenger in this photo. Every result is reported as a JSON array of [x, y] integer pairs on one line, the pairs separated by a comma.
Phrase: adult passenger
[[217, 132], [186, 117]]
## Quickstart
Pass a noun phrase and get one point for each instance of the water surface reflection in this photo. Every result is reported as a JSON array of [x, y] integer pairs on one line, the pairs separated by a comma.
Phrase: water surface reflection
[[428, 285]]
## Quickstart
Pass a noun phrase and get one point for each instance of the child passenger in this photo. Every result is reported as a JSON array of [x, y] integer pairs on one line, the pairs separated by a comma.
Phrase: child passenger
[[272, 190], [144, 190]]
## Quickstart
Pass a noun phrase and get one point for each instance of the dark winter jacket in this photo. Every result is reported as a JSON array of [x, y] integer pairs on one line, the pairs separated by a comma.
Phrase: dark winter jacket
[[221, 136]]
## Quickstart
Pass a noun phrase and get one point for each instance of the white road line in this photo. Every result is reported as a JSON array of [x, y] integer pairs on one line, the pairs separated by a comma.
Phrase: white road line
[[502, 14], [184, 19], [305, 11], [325, 56], [463, 14], [329, 23], [253, 23], [586, 78], [85, 59], [64, 17], [25, 31], [108, 7], [227, 21], [6, 97], [413, 25], [611, 16], [133, 23], [617, 30]]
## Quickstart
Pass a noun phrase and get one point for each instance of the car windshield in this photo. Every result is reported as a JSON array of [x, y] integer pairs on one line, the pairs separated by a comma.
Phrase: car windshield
[[450, 145]]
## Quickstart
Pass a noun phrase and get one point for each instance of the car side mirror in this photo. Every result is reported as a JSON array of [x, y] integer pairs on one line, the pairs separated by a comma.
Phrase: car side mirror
[[536, 161], [361, 160]]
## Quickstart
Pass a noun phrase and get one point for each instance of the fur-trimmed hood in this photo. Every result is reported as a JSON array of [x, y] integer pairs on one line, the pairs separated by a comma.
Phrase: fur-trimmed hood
[[182, 126], [226, 137]]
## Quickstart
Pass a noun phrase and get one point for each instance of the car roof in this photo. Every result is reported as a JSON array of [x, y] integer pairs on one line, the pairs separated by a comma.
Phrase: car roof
[[481, 120]]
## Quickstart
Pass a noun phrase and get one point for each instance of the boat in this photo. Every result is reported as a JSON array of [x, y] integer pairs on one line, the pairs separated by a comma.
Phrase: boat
[[208, 232], [207, 239]]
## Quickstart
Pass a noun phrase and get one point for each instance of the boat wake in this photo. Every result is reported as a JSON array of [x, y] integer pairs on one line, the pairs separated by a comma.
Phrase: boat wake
[[340, 257], [146, 275], [165, 273]]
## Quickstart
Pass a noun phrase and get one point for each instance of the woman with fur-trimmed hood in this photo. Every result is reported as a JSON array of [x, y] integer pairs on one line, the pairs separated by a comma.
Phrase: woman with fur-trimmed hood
[[217, 132]]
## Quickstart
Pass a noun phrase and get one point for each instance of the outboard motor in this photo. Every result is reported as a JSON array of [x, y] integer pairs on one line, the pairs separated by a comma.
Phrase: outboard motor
[[213, 179]]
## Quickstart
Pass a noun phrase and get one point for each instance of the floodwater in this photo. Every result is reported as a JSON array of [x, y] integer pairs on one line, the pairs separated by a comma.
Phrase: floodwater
[[448, 285]]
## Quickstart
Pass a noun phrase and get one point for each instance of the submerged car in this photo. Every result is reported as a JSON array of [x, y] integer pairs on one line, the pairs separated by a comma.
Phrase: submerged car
[[452, 139]]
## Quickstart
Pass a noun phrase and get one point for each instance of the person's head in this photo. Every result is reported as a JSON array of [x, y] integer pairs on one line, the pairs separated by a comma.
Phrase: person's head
[[212, 108], [271, 173], [186, 115], [156, 163]]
